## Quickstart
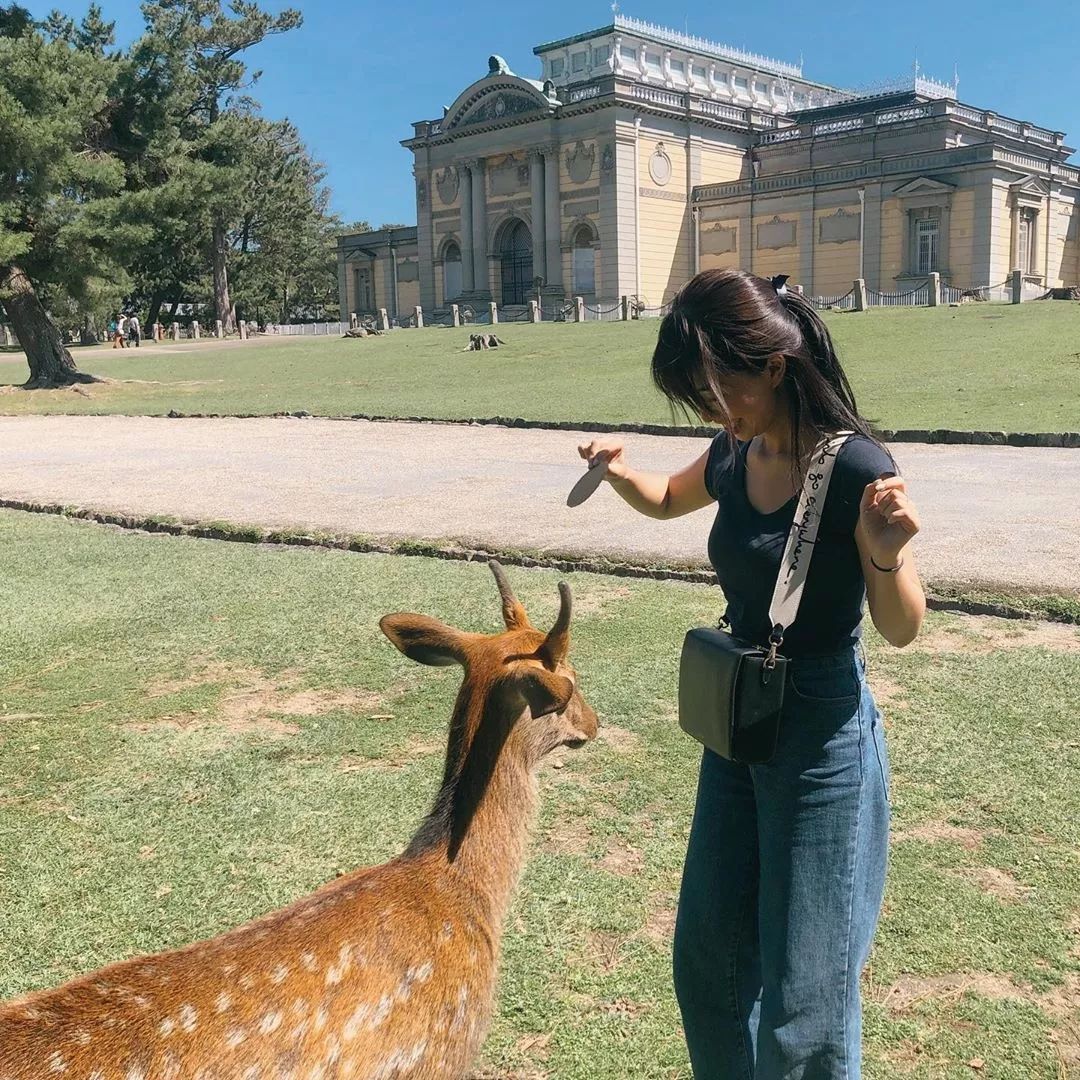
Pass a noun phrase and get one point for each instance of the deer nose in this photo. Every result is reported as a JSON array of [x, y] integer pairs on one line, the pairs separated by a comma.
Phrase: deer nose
[[587, 722]]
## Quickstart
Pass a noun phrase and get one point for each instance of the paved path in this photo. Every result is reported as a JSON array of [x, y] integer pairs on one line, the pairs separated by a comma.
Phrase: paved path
[[991, 514]]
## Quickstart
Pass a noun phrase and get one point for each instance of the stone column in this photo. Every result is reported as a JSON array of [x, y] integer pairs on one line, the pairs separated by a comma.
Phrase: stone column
[[418, 315], [539, 234], [861, 299], [493, 309], [579, 309], [479, 229], [176, 331], [7, 338], [195, 330], [243, 330], [468, 281], [933, 284], [455, 315], [553, 239], [342, 280], [534, 311], [219, 331], [1017, 281], [384, 319], [425, 230]]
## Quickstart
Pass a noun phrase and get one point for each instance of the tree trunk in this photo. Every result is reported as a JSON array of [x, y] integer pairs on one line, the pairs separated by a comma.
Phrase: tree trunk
[[89, 334], [50, 362], [223, 308], [173, 309], [156, 300]]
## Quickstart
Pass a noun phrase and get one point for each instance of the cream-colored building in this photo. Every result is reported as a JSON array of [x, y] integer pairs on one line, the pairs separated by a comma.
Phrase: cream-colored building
[[642, 155]]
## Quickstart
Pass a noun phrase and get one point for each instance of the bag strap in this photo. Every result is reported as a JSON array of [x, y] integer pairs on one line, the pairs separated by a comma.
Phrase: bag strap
[[795, 564]]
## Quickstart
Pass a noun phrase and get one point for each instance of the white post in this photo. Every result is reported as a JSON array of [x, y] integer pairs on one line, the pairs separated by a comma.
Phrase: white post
[[7, 338], [243, 330], [176, 331], [419, 311], [625, 308], [579, 308], [534, 311], [455, 315], [1018, 286], [219, 330], [195, 330], [384, 319], [861, 298], [493, 308], [933, 285], [354, 322]]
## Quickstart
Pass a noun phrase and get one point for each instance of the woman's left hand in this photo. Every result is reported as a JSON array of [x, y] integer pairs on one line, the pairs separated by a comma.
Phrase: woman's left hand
[[889, 517]]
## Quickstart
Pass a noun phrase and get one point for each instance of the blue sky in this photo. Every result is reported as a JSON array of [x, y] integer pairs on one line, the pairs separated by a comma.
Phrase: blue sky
[[358, 73]]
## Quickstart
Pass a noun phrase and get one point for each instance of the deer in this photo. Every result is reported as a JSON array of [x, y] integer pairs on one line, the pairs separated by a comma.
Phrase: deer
[[386, 973]]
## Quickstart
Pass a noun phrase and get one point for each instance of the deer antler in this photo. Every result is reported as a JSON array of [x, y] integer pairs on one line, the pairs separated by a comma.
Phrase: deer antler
[[513, 613], [557, 643]]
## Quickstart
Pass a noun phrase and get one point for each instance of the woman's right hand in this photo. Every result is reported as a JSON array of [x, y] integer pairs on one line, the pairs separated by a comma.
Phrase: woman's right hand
[[609, 451]]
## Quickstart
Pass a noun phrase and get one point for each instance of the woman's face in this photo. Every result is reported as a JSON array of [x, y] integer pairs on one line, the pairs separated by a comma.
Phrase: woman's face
[[751, 402]]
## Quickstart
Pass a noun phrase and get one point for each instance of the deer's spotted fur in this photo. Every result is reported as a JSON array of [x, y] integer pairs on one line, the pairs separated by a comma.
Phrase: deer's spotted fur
[[388, 972]]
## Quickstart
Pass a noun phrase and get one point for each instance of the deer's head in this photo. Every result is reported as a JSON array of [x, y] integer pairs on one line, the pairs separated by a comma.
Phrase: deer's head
[[519, 683]]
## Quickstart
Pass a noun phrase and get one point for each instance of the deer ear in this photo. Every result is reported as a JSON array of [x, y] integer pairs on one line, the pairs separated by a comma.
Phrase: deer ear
[[545, 691], [424, 639]]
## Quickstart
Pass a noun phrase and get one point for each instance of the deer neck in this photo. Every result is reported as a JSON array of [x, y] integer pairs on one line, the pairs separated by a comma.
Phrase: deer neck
[[478, 829]]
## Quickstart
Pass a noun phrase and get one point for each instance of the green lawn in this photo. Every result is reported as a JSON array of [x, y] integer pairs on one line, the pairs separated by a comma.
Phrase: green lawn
[[979, 367], [195, 732]]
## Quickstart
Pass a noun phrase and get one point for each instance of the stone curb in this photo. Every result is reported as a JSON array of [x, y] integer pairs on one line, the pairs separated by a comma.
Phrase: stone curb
[[254, 534], [1069, 440]]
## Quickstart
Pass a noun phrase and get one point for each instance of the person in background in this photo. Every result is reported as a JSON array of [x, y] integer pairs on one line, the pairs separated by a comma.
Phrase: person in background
[[134, 330]]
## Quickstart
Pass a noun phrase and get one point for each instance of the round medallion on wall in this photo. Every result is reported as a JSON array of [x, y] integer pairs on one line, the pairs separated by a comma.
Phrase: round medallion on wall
[[660, 166], [500, 105]]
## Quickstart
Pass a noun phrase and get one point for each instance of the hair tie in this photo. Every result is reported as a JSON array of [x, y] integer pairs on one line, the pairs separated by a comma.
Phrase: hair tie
[[779, 284]]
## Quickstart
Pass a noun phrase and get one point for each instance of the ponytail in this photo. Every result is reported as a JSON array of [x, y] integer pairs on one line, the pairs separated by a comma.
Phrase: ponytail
[[819, 347]]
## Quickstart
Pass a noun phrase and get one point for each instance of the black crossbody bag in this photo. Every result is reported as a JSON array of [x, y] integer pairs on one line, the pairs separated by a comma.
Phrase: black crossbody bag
[[731, 692]]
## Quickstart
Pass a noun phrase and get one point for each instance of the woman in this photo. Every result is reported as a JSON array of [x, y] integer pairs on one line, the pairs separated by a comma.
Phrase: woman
[[785, 868]]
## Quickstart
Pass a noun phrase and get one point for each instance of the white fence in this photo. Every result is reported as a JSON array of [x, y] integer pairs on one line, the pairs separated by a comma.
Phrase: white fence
[[844, 302], [932, 292], [603, 311], [919, 297], [316, 329]]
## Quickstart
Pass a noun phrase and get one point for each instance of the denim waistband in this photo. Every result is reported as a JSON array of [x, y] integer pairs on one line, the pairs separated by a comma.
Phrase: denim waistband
[[833, 661]]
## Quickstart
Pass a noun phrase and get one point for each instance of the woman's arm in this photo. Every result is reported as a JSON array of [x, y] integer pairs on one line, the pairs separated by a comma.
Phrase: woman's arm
[[887, 522], [655, 495]]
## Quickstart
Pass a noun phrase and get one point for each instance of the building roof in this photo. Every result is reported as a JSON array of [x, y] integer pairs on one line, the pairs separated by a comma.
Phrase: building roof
[[376, 238], [663, 36]]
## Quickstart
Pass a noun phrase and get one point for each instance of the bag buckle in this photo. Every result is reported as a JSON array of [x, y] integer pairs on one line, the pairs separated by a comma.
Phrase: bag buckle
[[776, 639]]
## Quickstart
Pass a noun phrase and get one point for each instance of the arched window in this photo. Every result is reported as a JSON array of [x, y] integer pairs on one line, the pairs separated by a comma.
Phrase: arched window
[[517, 264], [451, 272], [584, 268]]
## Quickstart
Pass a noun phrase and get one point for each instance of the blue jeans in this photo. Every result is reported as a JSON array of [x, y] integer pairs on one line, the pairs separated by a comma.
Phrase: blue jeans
[[784, 878]]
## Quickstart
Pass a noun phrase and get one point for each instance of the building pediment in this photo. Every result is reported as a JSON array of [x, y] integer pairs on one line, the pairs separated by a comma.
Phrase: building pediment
[[1029, 191], [501, 96], [924, 185], [1030, 186]]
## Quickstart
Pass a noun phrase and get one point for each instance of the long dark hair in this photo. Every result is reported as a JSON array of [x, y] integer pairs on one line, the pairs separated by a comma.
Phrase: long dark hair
[[730, 322]]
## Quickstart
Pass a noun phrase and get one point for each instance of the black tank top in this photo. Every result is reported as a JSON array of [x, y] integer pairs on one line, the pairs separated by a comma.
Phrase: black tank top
[[745, 548]]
